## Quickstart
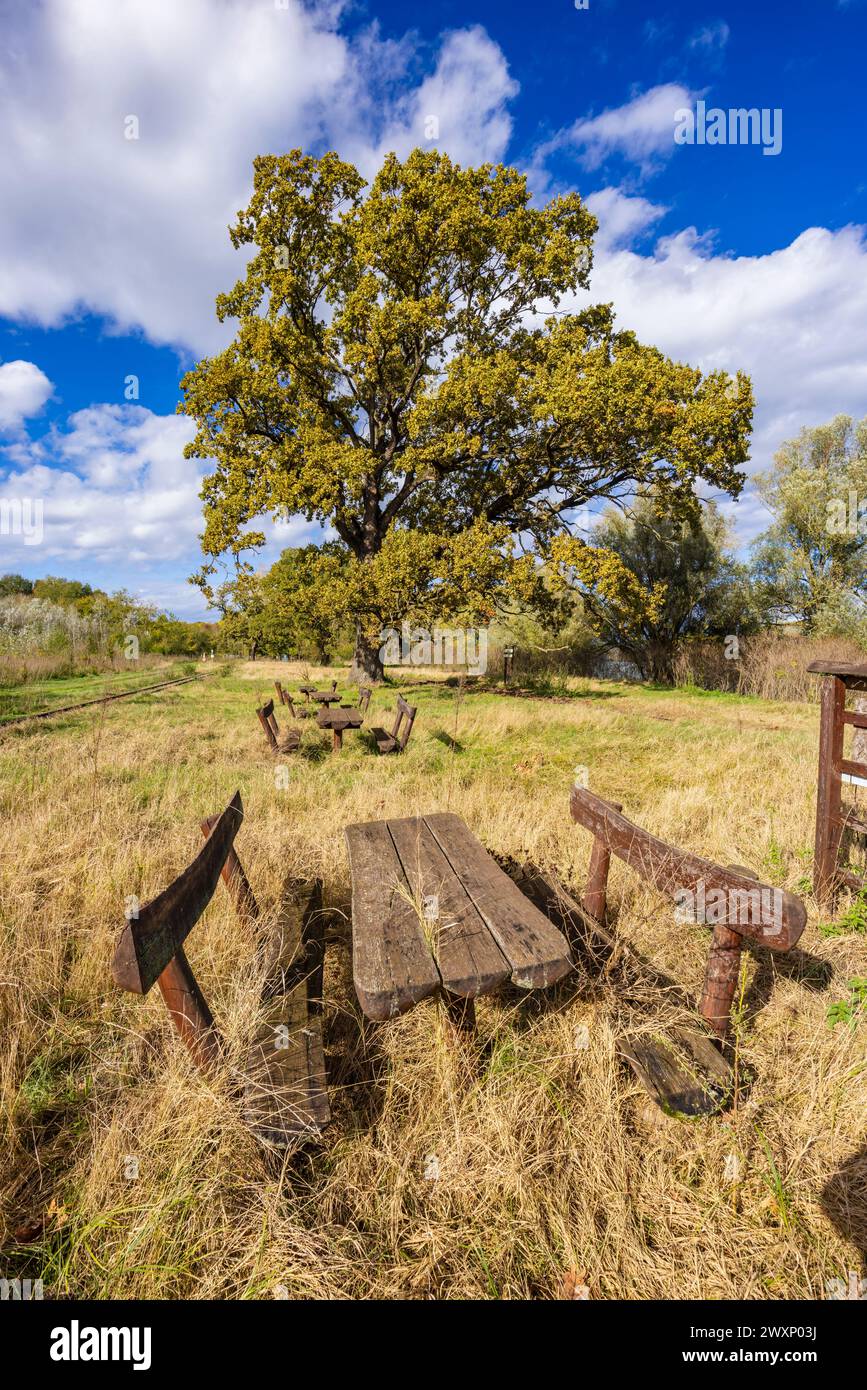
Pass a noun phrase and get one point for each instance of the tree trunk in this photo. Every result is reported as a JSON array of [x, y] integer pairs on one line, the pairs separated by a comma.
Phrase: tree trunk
[[367, 662], [254, 647]]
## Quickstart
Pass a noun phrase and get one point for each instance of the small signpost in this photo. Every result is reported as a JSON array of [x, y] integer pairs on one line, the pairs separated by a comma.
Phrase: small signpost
[[508, 658]]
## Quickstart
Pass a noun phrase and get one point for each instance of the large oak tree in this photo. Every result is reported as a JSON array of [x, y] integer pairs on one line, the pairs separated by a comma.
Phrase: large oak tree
[[400, 371]]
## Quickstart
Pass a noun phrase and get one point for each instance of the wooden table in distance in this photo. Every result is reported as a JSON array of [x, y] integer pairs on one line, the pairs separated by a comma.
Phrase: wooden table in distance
[[433, 913], [326, 697], [307, 691], [337, 720]]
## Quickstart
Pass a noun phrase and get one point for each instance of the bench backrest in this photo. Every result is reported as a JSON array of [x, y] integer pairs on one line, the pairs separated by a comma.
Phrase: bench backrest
[[730, 897], [151, 947], [153, 937], [269, 723], [405, 715], [730, 900], [282, 695], [364, 694]]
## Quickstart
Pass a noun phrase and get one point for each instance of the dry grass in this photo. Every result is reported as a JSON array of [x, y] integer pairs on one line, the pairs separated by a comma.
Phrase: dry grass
[[549, 1156]]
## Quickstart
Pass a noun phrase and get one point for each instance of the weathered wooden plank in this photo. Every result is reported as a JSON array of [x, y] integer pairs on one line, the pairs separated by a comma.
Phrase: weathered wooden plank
[[385, 742], [853, 673], [285, 1088], [536, 951], [470, 961], [392, 964], [150, 940], [768, 915], [682, 1069]]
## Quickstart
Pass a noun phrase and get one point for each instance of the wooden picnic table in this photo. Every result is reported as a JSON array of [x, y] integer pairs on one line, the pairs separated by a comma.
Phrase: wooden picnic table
[[432, 912], [326, 697], [337, 720], [307, 690]]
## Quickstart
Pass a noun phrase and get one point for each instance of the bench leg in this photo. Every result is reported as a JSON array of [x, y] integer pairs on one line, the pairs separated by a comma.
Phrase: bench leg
[[460, 1012], [597, 882], [189, 1010], [721, 978]]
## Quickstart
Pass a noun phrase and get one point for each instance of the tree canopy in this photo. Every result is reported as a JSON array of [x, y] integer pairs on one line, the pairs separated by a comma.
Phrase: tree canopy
[[810, 565], [400, 371], [653, 579]]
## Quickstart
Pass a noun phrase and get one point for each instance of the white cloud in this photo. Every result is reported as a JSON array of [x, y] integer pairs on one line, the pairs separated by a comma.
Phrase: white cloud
[[119, 490], [794, 319], [710, 38], [622, 217], [136, 229], [642, 130], [24, 389]]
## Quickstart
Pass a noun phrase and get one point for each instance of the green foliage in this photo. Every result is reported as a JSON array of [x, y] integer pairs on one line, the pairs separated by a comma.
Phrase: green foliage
[[64, 615], [654, 578], [811, 563], [61, 590], [304, 595], [849, 1010], [853, 919], [15, 584], [391, 377]]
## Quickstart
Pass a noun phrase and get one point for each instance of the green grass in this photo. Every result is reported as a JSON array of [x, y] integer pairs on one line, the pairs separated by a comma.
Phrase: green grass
[[36, 696], [548, 1159]]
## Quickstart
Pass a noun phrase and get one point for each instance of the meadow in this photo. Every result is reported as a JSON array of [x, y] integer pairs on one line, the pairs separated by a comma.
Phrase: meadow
[[129, 1174]]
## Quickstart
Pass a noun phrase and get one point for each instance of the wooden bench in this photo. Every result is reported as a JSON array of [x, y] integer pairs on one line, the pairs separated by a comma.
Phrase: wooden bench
[[288, 743], [739, 908], [364, 694], [284, 1089], [433, 913], [396, 741], [295, 712]]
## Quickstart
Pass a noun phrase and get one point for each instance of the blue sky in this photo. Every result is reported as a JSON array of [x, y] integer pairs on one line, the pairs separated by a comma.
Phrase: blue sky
[[112, 250]]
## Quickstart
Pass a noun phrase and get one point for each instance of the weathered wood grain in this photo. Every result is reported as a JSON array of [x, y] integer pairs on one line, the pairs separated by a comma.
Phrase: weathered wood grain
[[392, 964], [536, 951], [470, 961], [285, 1086], [150, 940], [682, 1069], [771, 916]]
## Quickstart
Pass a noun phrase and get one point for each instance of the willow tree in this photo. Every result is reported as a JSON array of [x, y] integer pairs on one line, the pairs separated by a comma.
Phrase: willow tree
[[399, 369]]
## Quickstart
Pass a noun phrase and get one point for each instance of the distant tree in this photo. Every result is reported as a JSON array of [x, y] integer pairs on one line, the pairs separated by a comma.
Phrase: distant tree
[[810, 565], [61, 590], [305, 601], [170, 636], [241, 604], [651, 580], [393, 375], [15, 584]]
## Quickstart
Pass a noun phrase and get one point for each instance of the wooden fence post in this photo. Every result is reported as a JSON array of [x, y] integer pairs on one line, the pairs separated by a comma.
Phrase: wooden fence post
[[828, 803]]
